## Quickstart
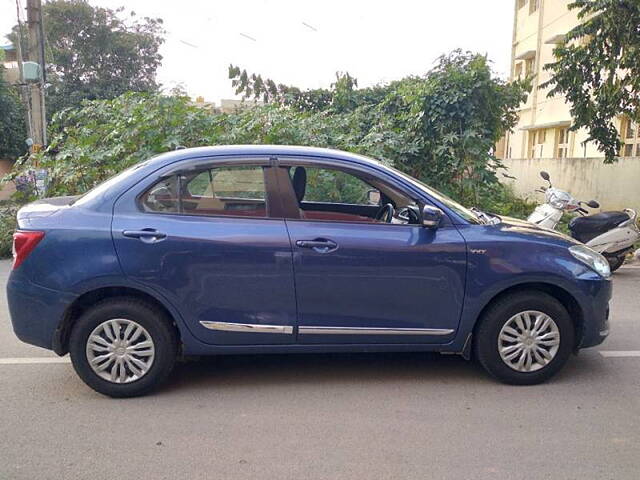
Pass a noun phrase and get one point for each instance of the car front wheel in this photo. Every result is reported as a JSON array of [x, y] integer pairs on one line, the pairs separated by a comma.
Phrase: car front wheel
[[524, 338], [123, 347]]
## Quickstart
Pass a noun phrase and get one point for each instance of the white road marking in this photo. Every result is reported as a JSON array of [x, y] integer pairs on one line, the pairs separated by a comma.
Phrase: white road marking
[[620, 353], [33, 360]]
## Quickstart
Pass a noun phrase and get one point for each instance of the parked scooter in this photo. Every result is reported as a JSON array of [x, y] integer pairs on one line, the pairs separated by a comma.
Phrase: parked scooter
[[610, 233]]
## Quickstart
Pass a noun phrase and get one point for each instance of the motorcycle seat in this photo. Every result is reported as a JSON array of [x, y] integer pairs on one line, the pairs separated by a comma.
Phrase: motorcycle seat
[[586, 228]]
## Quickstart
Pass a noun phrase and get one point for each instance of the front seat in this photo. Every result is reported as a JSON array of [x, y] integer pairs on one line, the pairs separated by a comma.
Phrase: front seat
[[587, 228]]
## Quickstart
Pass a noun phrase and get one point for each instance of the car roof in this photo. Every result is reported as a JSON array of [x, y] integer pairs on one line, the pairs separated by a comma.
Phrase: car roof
[[102, 199], [276, 150]]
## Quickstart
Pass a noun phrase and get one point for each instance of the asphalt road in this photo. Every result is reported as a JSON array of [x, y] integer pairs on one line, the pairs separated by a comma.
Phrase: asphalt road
[[400, 416]]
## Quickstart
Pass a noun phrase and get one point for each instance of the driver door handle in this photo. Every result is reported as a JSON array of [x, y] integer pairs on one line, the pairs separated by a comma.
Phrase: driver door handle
[[320, 245]]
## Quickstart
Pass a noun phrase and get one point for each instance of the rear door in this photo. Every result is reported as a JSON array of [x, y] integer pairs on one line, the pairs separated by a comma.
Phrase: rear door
[[212, 241]]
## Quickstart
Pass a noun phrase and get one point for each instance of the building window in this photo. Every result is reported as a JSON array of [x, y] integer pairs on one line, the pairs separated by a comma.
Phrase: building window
[[536, 142], [533, 6], [631, 139], [529, 66], [562, 142], [518, 72]]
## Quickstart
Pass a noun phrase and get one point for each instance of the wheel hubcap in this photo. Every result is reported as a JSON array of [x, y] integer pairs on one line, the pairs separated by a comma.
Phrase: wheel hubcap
[[529, 341], [120, 350]]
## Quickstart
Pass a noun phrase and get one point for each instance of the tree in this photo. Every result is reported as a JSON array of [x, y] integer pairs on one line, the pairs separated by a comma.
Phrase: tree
[[12, 125], [92, 53], [598, 69], [440, 128]]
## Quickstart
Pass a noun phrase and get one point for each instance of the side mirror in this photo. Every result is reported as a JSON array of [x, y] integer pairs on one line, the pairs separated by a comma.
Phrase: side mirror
[[593, 204], [545, 175], [373, 197], [431, 216]]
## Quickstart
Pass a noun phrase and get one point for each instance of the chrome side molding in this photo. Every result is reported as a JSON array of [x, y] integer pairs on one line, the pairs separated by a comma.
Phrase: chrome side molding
[[372, 331], [247, 327]]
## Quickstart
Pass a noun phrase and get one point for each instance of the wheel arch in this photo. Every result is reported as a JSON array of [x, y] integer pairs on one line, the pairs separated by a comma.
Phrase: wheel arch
[[91, 297], [567, 300]]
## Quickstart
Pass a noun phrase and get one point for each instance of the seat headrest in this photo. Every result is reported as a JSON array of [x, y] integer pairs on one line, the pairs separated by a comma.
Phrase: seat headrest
[[299, 182]]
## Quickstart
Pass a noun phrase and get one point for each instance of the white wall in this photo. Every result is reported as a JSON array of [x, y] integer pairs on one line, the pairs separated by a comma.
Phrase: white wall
[[614, 186]]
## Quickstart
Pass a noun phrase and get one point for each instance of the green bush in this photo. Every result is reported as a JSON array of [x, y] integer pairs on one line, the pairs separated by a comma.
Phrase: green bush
[[8, 225], [505, 202]]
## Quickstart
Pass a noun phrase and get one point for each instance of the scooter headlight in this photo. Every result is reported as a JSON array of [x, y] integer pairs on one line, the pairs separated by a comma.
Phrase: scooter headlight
[[558, 200], [592, 258]]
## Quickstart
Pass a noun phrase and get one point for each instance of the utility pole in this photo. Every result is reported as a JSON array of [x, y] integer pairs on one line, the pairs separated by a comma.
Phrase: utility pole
[[36, 90], [24, 95]]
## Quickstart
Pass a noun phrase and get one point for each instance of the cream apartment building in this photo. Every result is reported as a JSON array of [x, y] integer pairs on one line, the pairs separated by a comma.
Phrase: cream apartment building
[[542, 140]]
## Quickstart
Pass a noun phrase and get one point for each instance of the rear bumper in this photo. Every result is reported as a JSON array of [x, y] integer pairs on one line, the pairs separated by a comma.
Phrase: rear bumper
[[35, 311]]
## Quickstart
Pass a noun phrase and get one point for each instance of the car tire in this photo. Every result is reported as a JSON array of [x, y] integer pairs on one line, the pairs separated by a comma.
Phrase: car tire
[[135, 337], [500, 342]]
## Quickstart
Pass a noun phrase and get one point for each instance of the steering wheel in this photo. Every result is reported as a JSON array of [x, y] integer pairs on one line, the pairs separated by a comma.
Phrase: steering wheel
[[385, 214], [409, 214]]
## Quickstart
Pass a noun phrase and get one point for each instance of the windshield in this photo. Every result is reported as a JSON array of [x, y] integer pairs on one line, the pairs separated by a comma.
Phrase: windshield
[[466, 213]]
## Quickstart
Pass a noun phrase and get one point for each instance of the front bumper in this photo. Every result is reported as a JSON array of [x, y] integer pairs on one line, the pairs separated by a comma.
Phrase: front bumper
[[595, 324], [35, 311]]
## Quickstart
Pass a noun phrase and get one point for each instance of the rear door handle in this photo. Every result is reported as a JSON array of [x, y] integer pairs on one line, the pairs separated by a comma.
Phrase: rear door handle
[[146, 235], [320, 245]]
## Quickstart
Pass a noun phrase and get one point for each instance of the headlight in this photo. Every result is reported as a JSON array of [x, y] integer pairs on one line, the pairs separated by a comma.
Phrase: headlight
[[558, 203], [591, 258]]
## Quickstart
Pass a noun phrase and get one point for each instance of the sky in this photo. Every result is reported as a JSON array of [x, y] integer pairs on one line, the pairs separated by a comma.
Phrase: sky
[[375, 41]]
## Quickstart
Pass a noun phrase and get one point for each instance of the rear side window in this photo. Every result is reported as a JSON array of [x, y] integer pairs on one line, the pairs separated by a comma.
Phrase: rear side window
[[162, 197], [233, 191]]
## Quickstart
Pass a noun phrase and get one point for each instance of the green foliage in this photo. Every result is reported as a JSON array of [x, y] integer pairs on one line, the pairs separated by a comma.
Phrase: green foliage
[[12, 124], [8, 225], [92, 53], [503, 201], [598, 71]]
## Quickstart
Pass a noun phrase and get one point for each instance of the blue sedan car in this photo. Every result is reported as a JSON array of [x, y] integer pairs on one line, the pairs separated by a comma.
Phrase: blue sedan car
[[272, 249]]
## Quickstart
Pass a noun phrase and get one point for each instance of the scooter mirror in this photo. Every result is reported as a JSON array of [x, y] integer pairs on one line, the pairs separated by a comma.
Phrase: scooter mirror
[[545, 175], [593, 204]]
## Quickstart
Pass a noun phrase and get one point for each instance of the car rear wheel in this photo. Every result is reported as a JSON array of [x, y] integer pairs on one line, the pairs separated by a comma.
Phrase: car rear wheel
[[524, 338], [123, 347]]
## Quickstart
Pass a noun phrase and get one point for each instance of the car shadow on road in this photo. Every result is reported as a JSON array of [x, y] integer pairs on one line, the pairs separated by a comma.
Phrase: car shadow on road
[[335, 368], [341, 368]]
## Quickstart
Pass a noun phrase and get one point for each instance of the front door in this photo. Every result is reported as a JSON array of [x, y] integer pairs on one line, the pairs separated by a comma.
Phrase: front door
[[362, 279], [210, 243]]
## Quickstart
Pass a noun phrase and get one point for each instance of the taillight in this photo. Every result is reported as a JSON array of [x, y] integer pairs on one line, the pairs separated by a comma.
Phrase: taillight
[[23, 244]]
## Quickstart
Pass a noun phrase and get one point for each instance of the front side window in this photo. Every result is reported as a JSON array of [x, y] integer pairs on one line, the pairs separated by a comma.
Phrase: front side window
[[335, 186], [232, 191], [324, 193]]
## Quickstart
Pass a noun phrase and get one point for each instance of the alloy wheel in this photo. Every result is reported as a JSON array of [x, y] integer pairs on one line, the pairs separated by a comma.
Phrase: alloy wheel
[[120, 350], [529, 341]]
